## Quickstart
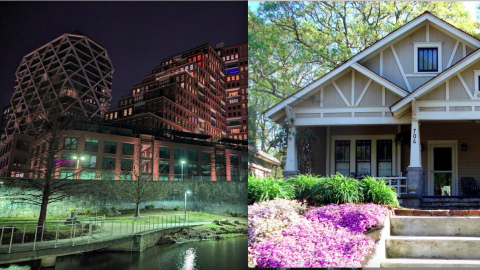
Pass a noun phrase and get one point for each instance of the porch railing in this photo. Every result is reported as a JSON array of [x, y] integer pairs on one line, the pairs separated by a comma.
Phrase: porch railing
[[399, 183]]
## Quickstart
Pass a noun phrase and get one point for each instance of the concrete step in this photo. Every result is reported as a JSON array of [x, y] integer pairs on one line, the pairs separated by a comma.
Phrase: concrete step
[[422, 263], [433, 247], [435, 226]]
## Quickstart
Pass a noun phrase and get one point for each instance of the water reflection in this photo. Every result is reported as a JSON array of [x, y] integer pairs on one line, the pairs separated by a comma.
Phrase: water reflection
[[229, 254]]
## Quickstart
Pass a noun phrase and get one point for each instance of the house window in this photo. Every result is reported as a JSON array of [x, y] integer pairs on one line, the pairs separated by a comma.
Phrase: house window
[[384, 158], [88, 175], [427, 59], [91, 145], [107, 176], [192, 155], [342, 157], [164, 152], [67, 157], [125, 176], [110, 147], [89, 162], [66, 174], [68, 144], [206, 157], [192, 170], [233, 160], [234, 176], [206, 170], [127, 148], [363, 157], [127, 164], [163, 170], [179, 154], [108, 163], [177, 171]]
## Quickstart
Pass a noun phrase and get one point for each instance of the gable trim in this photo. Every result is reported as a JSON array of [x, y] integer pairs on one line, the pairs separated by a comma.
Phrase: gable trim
[[372, 48], [437, 80], [382, 81]]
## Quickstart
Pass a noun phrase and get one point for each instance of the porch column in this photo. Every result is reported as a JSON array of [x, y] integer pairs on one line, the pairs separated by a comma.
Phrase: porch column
[[415, 170], [291, 166]]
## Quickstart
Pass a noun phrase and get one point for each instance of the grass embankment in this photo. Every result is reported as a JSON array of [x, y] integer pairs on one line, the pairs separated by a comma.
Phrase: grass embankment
[[205, 232]]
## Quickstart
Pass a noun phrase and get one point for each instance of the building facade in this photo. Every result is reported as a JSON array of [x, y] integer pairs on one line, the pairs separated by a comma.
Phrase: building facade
[[185, 93], [6, 115], [236, 85], [109, 151], [69, 75], [406, 109]]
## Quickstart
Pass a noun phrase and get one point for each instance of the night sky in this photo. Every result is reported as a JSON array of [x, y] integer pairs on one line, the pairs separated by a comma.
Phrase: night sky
[[137, 35]]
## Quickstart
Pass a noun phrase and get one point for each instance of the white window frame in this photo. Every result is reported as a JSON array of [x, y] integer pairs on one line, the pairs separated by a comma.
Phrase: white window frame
[[417, 45], [396, 156]]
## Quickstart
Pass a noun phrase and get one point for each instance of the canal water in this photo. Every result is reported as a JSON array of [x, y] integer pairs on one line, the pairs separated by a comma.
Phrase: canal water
[[226, 254]]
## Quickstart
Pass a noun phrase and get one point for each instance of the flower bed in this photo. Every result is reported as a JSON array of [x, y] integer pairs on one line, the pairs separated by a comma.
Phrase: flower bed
[[280, 235]]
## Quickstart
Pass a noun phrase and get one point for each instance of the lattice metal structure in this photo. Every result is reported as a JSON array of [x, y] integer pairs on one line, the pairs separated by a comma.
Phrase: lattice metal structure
[[71, 73]]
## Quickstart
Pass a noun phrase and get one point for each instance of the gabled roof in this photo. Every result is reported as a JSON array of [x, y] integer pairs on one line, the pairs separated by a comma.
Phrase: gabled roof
[[371, 49]]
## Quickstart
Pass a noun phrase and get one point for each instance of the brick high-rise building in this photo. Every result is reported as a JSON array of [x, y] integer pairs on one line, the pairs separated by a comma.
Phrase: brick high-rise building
[[236, 86], [185, 92]]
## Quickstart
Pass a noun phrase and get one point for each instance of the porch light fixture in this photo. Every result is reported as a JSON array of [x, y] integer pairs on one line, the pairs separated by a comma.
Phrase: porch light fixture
[[464, 147]]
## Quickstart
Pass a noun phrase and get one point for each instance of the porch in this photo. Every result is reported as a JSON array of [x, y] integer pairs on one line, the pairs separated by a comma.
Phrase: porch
[[429, 166]]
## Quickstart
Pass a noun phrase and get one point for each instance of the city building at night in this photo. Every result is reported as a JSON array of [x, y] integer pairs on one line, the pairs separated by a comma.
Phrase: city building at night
[[184, 93], [235, 59], [71, 73], [6, 115]]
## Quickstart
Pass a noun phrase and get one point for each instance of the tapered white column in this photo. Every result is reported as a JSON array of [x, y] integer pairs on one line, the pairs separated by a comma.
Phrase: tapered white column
[[291, 166], [291, 162], [415, 146]]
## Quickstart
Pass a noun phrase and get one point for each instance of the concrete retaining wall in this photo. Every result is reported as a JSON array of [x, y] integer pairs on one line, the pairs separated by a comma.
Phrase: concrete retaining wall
[[213, 197]]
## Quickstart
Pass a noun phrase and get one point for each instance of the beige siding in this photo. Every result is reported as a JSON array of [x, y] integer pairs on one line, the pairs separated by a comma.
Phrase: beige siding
[[345, 85], [311, 101], [458, 54], [415, 82], [391, 98], [438, 93], [373, 96], [331, 98], [363, 130], [390, 69], [360, 83], [373, 63], [404, 49], [448, 43], [469, 76], [457, 91], [470, 50]]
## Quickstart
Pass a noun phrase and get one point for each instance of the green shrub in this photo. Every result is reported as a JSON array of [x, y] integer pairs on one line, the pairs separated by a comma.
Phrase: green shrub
[[72, 209], [306, 187], [267, 188], [86, 211], [376, 191], [176, 208], [339, 189]]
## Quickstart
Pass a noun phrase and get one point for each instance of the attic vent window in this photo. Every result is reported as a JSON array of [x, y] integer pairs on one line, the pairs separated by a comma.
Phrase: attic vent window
[[427, 57]]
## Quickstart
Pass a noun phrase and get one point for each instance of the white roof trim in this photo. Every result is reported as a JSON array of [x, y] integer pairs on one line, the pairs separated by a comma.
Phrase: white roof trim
[[399, 32], [382, 81], [437, 80]]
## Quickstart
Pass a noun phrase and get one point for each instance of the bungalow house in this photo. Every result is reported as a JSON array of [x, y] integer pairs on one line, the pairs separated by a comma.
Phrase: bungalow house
[[407, 108]]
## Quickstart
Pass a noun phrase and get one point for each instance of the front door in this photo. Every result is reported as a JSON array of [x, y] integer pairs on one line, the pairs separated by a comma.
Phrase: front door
[[442, 169]]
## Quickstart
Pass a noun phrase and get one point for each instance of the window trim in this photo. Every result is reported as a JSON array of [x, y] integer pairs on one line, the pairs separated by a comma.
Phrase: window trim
[[416, 46], [396, 154], [356, 156], [335, 155], [477, 85]]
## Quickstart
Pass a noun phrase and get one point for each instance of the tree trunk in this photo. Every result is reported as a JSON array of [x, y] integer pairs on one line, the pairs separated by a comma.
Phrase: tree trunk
[[137, 209]]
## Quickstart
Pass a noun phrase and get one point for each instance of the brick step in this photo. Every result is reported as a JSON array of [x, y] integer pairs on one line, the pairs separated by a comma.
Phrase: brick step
[[422, 263], [435, 226], [433, 247]]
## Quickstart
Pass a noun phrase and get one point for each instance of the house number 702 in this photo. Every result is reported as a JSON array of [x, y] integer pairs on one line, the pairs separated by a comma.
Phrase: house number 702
[[414, 135]]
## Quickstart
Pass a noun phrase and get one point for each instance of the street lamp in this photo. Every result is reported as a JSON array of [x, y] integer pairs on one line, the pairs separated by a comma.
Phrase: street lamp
[[78, 158], [186, 192], [182, 162]]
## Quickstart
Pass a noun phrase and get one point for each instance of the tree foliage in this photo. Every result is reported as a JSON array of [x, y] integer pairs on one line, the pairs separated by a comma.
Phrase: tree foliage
[[292, 44]]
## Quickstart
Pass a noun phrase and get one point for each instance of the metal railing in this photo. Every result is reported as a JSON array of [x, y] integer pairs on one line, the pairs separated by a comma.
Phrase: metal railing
[[26, 235]]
